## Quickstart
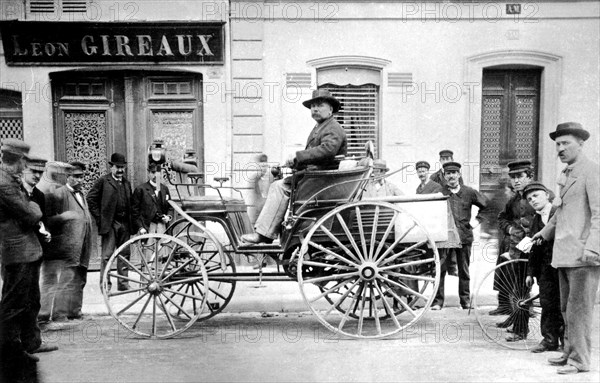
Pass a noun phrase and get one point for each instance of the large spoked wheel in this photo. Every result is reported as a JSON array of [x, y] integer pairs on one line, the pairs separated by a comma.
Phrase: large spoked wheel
[[516, 322], [368, 270], [220, 285], [159, 270]]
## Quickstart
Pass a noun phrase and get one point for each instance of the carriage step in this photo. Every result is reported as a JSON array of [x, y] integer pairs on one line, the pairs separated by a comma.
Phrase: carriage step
[[262, 247], [214, 306]]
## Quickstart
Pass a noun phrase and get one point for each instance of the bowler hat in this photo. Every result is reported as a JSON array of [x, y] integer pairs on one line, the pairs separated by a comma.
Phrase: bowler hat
[[573, 128], [117, 159], [532, 186], [319, 95], [36, 163], [517, 167], [16, 147], [78, 167], [451, 166], [380, 164], [446, 153], [422, 164]]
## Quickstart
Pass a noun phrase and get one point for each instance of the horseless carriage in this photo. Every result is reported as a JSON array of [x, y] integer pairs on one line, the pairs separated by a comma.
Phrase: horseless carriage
[[366, 267]]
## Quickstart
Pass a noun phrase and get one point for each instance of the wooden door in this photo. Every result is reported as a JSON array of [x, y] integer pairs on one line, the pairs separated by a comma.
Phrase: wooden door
[[509, 127]]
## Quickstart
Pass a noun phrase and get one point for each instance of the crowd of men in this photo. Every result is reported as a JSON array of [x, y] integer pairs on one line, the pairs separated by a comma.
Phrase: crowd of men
[[46, 243], [46, 224]]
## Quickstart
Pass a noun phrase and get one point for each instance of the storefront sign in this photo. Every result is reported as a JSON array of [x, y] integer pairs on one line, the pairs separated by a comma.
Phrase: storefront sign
[[60, 43]]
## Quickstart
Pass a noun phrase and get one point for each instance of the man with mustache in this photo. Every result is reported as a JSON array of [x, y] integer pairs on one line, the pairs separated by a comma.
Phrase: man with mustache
[[109, 202], [327, 140], [575, 229]]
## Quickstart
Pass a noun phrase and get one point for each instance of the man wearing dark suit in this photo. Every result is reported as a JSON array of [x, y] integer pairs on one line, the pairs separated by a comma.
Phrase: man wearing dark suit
[[149, 207], [109, 202], [540, 268], [21, 254], [427, 186], [71, 224], [575, 229], [445, 156], [327, 140]]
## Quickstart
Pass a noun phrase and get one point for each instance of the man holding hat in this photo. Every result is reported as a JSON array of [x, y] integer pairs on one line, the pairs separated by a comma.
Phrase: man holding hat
[[540, 268], [445, 156], [427, 186], [69, 254], [109, 202], [149, 207], [378, 186], [575, 229], [21, 254], [327, 140], [461, 198]]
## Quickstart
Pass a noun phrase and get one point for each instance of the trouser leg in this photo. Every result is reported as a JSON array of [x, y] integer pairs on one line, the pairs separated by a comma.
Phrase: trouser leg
[[79, 282], [107, 248], [578, 286], [49, 274], [439, 296], [463, 258], [122, 235], [552, 323], [270, 218], [64, 295]]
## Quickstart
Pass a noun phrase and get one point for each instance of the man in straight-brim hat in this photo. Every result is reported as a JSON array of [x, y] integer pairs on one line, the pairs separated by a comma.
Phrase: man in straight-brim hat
[[109, 202], [326, 141], [461, 198], [379, 186], [446, 155], [575, 229], [427, 185], [21, 253]]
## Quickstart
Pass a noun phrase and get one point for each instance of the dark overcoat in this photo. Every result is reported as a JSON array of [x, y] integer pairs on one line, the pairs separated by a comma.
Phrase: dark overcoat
[[19, 219], [145, 205], [102, 202], [326, 140], [70, 223]]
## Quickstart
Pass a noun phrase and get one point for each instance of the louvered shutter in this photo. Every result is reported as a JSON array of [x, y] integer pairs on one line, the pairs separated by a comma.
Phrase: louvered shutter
[[358, 115]]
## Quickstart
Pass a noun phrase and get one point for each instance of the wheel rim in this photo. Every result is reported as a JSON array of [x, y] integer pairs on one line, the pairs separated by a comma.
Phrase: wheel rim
[[359, 277], [169, 286], [520, 312], [220, 289]]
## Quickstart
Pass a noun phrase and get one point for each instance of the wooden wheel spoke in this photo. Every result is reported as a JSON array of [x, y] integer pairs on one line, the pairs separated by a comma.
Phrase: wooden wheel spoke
[[167, 262], [398, 255], [374, 233], [375, 311], [388, 309], [350, 237], [119, 276], [342, 298], [142, 311], [361, 317], [385, 236], [138, 249], [361, 232], [183, 294], [328, 290], [182, 281], [331, 277], [179, 308], [339, 244], [216, 292], [130, 304], [122, 258], [167, 313], [184, 264], [331, 253], [411, 276], [347, 312], [126, 292], [399, 300], [326, 265], [154, 315], [396, 242], [404, 287], [407, 264]]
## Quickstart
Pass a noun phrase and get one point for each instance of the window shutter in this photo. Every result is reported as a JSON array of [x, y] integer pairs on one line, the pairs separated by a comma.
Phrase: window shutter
[[358, 115]]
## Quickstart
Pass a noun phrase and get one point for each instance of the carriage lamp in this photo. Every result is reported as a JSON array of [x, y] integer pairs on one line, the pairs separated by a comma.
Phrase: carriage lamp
[[157, 152], [189, 157]]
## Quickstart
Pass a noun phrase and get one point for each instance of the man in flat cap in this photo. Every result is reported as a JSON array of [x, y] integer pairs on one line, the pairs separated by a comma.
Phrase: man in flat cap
[[427, 186], [21, 254], [109, 202], [327, 140], [150, 209], [540, 268], [31, 177], [70, 251], [461, 198], [445, 156], [379, 186], [575, 229]]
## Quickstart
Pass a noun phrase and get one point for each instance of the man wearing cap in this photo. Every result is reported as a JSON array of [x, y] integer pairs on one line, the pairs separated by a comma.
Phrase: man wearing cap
[[540, 268], [109, 202], [461, 198], [427, 186], [575, 229], [65, 272], [21, 254], [149, 207], [445, 156], [379, 186], [325, 142]]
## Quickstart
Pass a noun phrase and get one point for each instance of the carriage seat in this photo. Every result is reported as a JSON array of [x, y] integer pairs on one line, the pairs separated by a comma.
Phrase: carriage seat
[[213, 203]]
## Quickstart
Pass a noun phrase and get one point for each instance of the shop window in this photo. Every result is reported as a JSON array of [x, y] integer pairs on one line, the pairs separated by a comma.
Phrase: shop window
[[11, 115]]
